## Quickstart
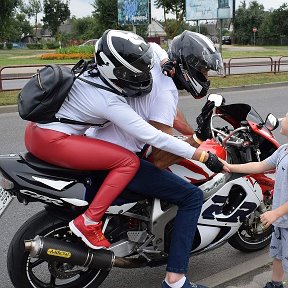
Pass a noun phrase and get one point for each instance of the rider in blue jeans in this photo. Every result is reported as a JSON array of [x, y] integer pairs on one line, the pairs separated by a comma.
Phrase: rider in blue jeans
[[159, 109], [153, 182]]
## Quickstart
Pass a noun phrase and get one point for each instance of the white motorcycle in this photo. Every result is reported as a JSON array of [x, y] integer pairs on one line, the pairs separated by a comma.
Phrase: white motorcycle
[[44, 253]]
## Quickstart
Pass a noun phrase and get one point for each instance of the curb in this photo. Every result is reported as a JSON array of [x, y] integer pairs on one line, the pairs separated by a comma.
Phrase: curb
[[8, 109], [219, 279]]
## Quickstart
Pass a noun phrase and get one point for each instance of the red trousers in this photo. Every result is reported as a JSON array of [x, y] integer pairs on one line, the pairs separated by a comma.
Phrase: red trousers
[[84, 153]]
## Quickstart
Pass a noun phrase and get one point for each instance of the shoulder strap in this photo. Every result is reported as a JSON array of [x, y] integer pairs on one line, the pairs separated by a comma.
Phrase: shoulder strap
[[99, 86], [70, 121], [80, 67]]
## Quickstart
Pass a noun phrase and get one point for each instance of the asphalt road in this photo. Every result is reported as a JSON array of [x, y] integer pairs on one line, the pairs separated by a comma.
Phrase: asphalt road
[[264, 100]]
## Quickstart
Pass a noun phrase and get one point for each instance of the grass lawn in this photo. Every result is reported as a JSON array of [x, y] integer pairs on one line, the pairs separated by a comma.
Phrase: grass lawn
[[27, 57], [230, 51]]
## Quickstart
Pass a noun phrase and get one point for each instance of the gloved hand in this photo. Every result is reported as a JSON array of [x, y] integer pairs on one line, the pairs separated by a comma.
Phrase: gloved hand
[[168, 68], [203, 131], [213, 163]]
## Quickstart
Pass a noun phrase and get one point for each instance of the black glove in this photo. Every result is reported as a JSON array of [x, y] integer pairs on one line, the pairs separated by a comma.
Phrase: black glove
[[213, 163], [203, 131], [168, 68]]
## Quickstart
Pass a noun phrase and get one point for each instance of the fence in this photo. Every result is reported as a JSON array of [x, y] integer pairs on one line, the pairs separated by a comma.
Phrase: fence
[[14, 76]]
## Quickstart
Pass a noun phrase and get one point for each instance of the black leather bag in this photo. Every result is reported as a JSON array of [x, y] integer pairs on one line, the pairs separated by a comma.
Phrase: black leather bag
[[44, 93], [42, 96]]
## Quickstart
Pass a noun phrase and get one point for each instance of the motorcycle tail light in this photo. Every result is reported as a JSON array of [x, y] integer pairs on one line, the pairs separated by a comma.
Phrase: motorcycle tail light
[[5, 183]]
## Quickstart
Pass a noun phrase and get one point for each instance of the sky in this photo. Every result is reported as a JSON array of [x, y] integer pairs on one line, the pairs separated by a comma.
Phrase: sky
[[81, 8]]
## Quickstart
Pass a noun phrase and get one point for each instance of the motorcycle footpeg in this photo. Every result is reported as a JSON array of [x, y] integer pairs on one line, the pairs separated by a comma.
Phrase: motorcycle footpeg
[[137, 236]]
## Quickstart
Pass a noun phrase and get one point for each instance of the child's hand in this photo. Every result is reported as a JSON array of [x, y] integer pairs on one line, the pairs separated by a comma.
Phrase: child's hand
[[227, 167], [268, 218]]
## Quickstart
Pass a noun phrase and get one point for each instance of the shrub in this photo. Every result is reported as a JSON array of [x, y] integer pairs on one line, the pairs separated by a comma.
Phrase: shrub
[[35, 46], [9, 46], [76, 49], [1, 46], [52, 45]]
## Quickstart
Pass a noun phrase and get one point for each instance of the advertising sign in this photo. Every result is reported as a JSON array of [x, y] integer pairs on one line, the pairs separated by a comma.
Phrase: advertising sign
[[209, 9], [134, 12]]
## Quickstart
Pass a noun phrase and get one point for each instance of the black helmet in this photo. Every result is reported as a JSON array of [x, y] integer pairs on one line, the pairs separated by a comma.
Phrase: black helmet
[[194, 52], [124, 61]]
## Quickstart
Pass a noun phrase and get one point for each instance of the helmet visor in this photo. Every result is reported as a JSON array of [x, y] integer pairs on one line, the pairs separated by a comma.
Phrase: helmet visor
[[123, 73], [208, 61]]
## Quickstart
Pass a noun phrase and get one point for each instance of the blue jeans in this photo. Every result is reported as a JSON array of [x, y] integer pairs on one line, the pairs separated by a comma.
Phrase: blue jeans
[[162, 184]]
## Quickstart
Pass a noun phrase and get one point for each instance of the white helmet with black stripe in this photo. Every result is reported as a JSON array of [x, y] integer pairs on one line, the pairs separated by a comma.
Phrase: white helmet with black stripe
[[124, 61]]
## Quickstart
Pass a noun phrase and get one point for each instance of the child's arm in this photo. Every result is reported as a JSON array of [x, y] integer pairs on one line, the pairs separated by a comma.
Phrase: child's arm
[[251, 167], [270, 217]]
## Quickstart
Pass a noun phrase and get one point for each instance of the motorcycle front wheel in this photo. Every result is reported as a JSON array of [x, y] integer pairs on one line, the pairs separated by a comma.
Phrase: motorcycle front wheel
[[27, 272], [251, 236]]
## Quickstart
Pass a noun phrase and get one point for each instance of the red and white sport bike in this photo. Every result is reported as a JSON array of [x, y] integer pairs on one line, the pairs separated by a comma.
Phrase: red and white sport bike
[[44, 252]]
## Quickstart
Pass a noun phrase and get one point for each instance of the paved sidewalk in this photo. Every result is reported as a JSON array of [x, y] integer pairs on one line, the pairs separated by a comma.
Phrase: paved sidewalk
[[254, 273]]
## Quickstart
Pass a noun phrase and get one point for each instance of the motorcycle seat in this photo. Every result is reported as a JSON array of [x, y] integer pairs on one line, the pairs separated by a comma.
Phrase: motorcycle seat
[[36, 163]]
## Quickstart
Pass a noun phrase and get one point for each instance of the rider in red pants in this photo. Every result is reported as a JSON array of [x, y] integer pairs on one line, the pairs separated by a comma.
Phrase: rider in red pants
[[84, 153]]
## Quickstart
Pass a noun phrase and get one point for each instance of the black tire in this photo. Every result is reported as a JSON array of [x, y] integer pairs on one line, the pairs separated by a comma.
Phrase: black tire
[[26, 272], [247, 240]]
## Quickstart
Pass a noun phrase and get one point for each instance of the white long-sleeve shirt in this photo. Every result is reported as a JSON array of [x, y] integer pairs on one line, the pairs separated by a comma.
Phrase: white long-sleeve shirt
[[128, 126], [87, 103]]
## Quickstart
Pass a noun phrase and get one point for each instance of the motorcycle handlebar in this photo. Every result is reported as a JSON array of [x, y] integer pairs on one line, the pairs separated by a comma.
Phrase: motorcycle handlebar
[[226, 138]]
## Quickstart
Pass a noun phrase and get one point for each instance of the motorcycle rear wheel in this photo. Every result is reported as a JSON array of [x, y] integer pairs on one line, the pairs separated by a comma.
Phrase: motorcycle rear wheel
[[26, 272]]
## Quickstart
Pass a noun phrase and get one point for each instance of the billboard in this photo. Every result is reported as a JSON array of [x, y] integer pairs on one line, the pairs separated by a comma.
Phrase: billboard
[[135, 12], [209, 9]]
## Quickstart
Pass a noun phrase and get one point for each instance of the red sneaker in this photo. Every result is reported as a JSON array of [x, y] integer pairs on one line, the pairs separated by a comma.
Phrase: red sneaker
[[91, 235]]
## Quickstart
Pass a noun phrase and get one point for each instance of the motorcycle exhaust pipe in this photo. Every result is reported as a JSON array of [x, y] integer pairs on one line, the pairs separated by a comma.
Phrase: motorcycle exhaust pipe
[[50, 249]]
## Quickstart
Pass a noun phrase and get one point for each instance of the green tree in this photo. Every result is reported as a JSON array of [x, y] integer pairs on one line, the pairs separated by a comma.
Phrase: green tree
[[55, 13], [266, 31], [106, 14], [17, 27], [7, 10], [176, 7], [172, 28], [279, 21], [85, 28], [32, 9], [245, 19]]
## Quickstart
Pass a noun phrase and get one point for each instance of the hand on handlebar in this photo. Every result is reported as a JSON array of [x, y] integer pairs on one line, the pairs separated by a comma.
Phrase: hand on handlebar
[[203, 130]]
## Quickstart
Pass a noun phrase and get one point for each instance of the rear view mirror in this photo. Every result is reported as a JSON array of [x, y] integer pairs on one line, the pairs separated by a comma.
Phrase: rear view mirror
[[217, 99], [271, 122]]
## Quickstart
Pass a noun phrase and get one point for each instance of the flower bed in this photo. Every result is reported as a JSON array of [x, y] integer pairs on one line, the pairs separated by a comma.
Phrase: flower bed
[[53, 56]]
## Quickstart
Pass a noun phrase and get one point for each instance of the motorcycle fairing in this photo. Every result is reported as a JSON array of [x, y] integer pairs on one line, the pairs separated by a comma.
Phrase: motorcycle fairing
[[213, 210], [28, 180], [216, 223], [266, 134], [196, 172]]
